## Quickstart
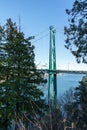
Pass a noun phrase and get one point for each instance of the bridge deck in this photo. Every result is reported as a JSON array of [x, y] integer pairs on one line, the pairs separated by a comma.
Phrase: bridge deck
[[63, 71]]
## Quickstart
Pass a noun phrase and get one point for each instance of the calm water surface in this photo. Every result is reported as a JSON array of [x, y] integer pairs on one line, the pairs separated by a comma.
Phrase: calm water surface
[[64, 82]]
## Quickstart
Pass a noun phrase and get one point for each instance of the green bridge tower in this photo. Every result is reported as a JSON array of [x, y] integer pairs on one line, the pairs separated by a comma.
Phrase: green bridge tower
[[52, 85]]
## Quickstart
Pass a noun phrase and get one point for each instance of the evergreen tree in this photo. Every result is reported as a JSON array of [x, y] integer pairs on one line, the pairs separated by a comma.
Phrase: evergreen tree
[[19, 79], [74, 105], [76, 41], [80, 112], [76, 33]]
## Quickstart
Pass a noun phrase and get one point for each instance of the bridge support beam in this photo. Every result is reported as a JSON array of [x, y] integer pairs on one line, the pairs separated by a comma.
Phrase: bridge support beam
[[52, 87]]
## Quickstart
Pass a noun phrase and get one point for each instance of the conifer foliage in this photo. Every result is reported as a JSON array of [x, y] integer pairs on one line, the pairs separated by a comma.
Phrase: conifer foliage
[[80, 114], [19, 78], [75, 107], [76, 32]]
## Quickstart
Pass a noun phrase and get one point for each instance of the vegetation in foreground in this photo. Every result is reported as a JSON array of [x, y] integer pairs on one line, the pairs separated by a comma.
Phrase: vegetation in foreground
[[21, 101], [19, 79]]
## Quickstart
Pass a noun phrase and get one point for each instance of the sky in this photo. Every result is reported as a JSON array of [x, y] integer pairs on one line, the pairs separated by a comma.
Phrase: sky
[[36, 18]]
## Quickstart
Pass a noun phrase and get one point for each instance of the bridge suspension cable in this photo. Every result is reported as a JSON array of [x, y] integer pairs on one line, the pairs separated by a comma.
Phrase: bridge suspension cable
[[41, 37]]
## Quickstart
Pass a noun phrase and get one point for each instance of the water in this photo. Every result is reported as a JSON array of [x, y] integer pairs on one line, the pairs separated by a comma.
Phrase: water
[[65, 82]]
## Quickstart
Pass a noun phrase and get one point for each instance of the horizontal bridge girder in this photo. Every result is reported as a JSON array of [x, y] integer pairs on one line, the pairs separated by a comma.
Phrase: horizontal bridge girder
[[63, 71]]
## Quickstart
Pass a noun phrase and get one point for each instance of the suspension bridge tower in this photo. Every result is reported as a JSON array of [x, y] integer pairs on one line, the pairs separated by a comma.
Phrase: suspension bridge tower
[[52, 85]]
